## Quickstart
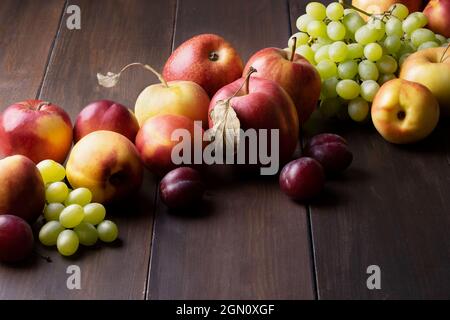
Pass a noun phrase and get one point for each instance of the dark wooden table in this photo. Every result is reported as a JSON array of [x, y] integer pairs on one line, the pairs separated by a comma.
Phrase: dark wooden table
[[391, 208]]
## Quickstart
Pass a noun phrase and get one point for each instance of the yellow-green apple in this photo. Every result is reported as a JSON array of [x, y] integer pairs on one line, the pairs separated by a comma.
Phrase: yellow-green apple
[[404, 111], [380, 6], [294, 73], [107, 163], [155, 143], [206, 59], [431, 67], [263, 104], [105, 115], [184, 98], [36, 129], [438, 14], [22, 190]]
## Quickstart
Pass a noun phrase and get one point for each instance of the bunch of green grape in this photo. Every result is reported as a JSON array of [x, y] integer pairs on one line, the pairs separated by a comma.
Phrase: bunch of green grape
[[71, 218], [353, 57]]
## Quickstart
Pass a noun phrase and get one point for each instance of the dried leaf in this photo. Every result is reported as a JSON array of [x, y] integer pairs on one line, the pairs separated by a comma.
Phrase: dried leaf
[[109, 80], [225, 131]]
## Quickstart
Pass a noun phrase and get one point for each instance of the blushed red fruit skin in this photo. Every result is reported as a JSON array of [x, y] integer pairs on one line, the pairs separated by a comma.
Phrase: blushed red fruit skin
[[331, 151], [266, 106], [16, 239], [182, 187], [190, 61], [438, 14], [302, 179], [299, 78], [22, 131], [105, 115]]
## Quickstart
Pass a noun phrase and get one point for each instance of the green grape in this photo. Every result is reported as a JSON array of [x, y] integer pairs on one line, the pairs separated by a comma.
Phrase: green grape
[[410, 24], [406, 47], [329, 107], [302, 38], [368, 70], [387, 64], [385, 78], [378, 26], [322, 53], [338, 51], [394, 27], [422, 35], [316, 46], [441, 39], [348, 11], [428, 44], [87, 234], [324, 41], [347, 69], [71, 216], [317, 29], [358, 109], [392, 44], [403, 58], [348, 89], [67, 243], [336, 30], [107, 231], [306, 52], [366, 35], [422, 18], [81, 196], [56, 192], [302, 22], [316, 10], [335, 11], [326, 69], [369, 89], [355, 51], [373, 51], [49, 233], [52, 211], [51, 171], [94, 213], [328, 88], [353, 21], [399, 10]]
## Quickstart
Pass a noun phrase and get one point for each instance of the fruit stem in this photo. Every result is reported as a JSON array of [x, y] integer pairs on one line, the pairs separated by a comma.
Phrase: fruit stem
[[145, 66], [41, 104], [443, 54], [350, 6], [294, 46], [247, 81]]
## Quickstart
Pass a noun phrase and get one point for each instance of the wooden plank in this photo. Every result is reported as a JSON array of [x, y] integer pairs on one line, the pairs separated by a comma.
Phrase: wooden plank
[[112, 34], [249, 241], [389, 209]]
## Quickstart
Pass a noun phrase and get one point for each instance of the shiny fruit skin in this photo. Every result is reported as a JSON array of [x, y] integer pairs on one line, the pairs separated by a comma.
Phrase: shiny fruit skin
[[380, 6], [324, 138], [302, 179], [16, 238], [331, 151], [182, 187], [438, 15]]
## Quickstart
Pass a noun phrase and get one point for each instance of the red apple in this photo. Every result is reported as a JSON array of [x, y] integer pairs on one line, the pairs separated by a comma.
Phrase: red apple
[[380, 6], [106, 115], [438, 14], [36, 129], [265, 105], [207, 59], [298, 77]]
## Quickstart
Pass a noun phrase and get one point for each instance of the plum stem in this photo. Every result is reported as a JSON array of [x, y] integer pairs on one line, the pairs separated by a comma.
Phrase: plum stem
[[294, 46], [443, 54], [41, 104]]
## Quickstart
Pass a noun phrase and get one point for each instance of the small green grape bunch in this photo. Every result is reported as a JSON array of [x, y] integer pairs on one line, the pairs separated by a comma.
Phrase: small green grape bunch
[[71, 218]]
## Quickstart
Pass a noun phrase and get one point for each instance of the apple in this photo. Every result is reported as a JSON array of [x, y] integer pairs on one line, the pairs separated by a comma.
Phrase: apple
[[431, 67], [292, 72], [404, 111], [184, 98], [438, 15], [105, 115], [263, 104], [206, 59], [154, 141], [22, 190], [380, 6], [16, 238], [106, 163], [36, 129]]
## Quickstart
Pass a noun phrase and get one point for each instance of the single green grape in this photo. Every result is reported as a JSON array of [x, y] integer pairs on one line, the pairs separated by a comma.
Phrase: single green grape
[[49, 233], [347, 69], [373, 51], [317, 29], [422, 35], [328, 88], [87, 233], [326, 69], [378, 26], [399, 10], [335, 11], [353, 21], [107, 231], [67, 242], [336, 30], [316, 10], [394, 27], [302, 38], [368, 70], [330, 107], [385, 78], [387, 64], [402, 58], [441, 39], [410, 24], [53, 210], [392, 44], [322, 53], [71, 216], [51, 171], [421, 17], [81, 196], [306, 52], [56, 192], [338, 51], [428, 44], [324, 41], [348, 89], [316, 46], [355, 51], [94, 213], [369, 89], [358, 109], [366, 35], [302, 22]]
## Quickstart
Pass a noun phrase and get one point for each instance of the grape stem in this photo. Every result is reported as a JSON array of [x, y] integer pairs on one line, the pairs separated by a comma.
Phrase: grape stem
[[443, 54], [294, 46], [350, 6]]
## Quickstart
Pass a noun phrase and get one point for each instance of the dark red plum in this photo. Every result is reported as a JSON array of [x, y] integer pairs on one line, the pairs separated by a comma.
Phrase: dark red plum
[[181, 188], [302, 179], [16, 238]]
